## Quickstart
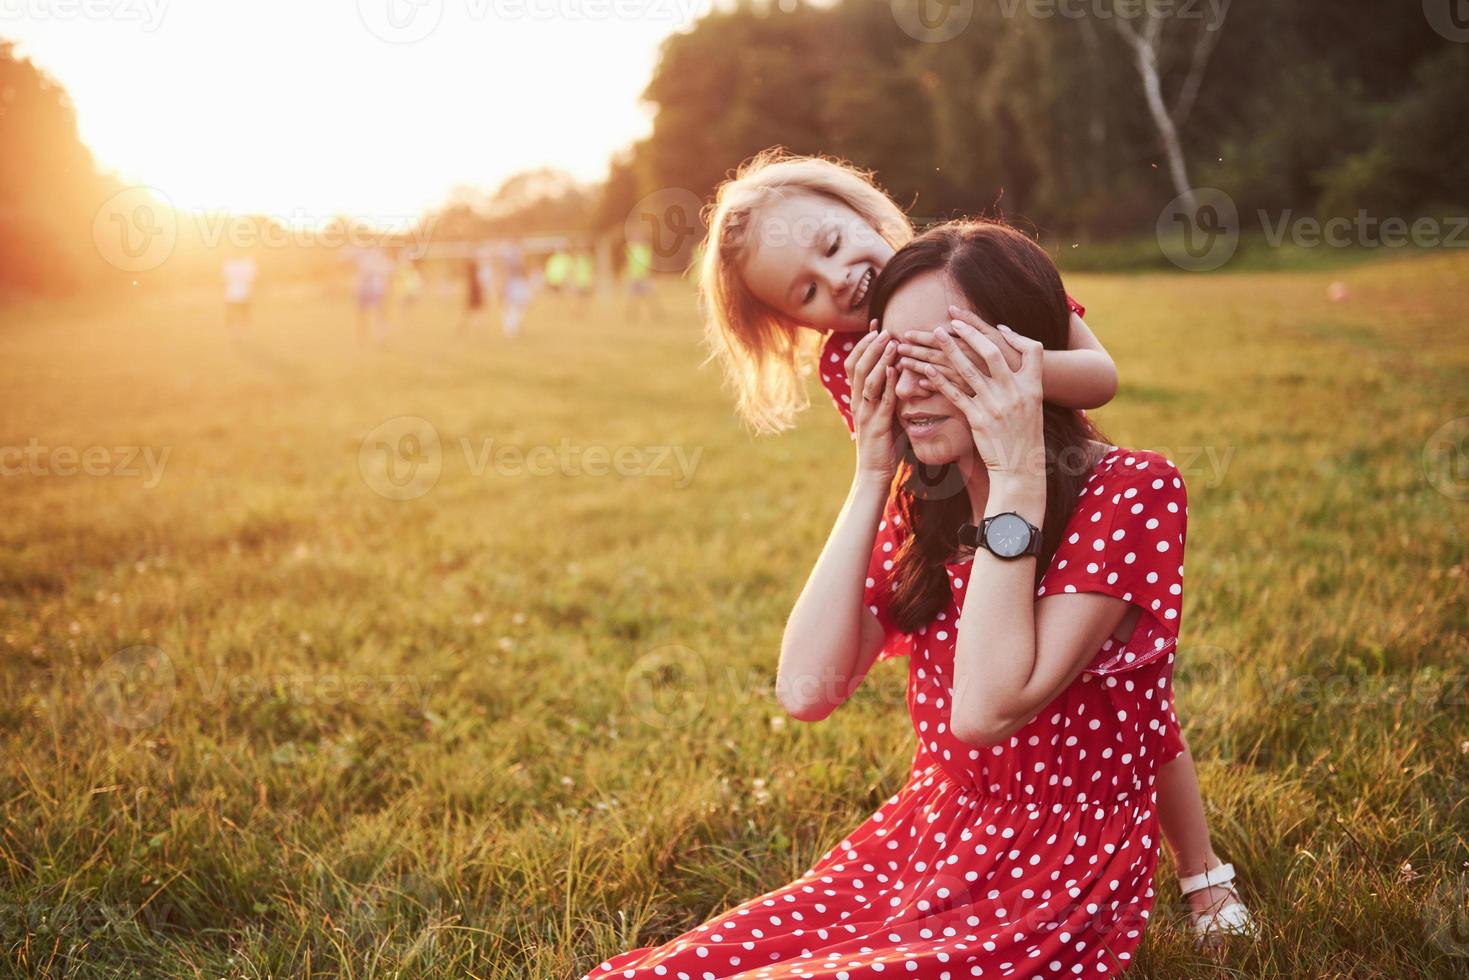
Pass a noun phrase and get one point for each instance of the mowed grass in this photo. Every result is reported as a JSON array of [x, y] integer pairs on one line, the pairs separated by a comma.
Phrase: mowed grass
[[260, 719]]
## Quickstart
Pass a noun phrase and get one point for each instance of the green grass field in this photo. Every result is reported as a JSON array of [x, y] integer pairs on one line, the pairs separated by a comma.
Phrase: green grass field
[[260, 718]]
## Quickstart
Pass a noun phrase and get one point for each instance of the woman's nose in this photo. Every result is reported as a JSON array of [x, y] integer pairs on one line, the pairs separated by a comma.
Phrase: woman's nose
[[908, 387]]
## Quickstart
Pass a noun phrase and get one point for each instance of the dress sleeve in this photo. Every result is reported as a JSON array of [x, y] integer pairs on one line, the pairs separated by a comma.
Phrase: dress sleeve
[[1127, 538], [1075, 307], [833, 370], [1173, 744], [877, 593]]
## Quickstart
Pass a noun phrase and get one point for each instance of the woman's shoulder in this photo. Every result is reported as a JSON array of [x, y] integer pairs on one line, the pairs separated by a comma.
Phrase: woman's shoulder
[[1121, 469]]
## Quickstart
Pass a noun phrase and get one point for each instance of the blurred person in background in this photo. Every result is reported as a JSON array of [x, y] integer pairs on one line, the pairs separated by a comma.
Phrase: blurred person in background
[[558, 269], [239, 272], [583, 276], [480, 278], [408, 283], [374, 276], [637, 270], [517, 288]]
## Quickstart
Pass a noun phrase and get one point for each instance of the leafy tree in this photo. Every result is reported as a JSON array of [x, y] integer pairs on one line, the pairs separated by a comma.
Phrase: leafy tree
[[49, 187]]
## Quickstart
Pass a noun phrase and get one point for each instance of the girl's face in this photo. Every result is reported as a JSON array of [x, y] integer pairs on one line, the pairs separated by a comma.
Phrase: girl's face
[[813, 259]]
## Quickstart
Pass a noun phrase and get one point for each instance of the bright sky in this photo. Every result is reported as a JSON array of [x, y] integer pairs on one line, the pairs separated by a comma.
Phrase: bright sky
[[304, 108]]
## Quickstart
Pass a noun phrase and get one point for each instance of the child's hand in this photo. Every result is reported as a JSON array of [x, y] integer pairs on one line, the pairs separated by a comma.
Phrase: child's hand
[[1012, 356], [921, 347]]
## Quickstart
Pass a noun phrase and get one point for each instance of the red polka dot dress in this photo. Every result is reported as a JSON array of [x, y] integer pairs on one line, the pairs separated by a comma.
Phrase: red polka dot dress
[[833, 372], [1030, 858]]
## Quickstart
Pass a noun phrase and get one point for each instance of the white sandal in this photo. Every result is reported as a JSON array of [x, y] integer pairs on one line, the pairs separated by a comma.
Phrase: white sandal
[[1231, 920]]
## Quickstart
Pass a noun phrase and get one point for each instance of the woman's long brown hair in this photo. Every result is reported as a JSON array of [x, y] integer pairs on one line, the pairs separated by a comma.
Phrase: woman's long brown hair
[[1009, 279]]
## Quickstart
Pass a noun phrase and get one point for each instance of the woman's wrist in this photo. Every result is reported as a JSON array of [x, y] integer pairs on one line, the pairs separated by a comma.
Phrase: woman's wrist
[[1023, 495], [873, 481]]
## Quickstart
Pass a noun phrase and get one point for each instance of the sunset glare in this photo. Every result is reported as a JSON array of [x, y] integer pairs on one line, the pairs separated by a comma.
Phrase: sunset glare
[[372, 107]]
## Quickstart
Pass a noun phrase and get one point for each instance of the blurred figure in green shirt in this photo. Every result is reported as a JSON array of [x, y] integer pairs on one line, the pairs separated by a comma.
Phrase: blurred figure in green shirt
[[583, 276], [637, 268], [558, 268]]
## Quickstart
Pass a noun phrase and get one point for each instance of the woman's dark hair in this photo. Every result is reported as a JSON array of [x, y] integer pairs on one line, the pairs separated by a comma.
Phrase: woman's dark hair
[[1009, 279]]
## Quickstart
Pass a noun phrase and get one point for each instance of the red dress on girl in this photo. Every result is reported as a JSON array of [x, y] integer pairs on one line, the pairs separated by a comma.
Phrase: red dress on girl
[[1030, 858]]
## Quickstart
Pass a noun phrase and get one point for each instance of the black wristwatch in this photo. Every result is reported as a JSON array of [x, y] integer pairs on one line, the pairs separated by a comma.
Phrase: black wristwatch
[[1006, 535]]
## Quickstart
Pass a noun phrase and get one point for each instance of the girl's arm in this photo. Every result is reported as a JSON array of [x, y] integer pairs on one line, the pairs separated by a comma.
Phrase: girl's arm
[[831, 368], [1083, 376], [830, 638]]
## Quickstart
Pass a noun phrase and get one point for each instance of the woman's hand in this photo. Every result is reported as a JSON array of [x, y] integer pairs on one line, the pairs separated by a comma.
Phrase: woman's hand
[[873, 378], [1002, 404]]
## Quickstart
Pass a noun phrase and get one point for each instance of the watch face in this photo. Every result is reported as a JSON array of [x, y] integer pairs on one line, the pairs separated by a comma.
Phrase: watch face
[[1008, 535]]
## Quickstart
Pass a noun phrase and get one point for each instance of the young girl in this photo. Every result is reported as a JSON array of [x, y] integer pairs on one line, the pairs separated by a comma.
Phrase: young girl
[[793, 246]]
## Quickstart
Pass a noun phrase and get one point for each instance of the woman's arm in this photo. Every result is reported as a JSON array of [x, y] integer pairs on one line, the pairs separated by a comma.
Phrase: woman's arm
[[829, 634], [1012, 655], [830, 638]]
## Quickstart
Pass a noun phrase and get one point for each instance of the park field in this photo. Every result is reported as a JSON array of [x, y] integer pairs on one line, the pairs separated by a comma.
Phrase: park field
[[455, 656]]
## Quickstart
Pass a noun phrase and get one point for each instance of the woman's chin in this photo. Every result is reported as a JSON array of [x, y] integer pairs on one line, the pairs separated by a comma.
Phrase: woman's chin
[[935, 449]]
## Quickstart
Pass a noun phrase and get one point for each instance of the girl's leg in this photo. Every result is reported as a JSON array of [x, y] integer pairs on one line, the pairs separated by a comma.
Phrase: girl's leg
[[1181, 815]]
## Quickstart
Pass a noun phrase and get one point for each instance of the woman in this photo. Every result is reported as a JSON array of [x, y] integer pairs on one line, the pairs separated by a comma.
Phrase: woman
[[1040, 664]]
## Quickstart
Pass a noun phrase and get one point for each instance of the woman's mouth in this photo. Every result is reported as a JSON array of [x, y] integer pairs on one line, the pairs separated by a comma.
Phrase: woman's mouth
[[919, 423], [859, 292]]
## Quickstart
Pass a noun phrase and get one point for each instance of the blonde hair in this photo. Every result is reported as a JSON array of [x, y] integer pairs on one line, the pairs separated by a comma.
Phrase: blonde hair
[[765, 356]]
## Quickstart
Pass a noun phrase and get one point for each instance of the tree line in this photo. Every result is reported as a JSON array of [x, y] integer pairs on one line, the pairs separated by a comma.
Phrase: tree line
[[1079, 118]]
